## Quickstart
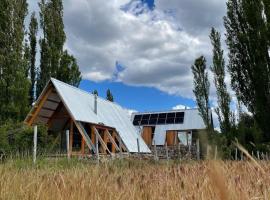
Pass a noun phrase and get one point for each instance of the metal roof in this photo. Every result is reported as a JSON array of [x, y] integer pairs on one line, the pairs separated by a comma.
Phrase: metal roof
[[80, 104], [192, 121]]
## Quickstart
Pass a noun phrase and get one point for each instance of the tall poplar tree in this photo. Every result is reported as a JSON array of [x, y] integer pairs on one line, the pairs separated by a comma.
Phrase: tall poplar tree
[[247, 27], [33, 28], [201, 89], [14, 85], [54, 61], [223, 97]]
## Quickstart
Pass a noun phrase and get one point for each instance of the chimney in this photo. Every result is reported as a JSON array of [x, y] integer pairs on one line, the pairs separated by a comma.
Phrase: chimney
[[95, 104]]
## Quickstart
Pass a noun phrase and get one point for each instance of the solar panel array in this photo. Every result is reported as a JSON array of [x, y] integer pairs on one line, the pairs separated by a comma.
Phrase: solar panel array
[[159, 118]]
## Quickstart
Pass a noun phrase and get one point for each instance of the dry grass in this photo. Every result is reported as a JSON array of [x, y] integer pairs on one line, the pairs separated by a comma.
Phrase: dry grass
[[131, 179]]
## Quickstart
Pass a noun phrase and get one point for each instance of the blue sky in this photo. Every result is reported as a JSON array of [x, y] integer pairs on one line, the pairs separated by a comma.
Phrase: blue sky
[[137, 98], [141, 49]]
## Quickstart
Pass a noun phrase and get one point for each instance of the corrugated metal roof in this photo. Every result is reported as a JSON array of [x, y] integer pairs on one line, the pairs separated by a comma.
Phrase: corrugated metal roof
[[81, 105]]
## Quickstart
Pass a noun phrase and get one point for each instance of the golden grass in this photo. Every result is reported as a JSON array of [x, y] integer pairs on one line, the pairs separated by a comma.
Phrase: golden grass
[[131, 179]]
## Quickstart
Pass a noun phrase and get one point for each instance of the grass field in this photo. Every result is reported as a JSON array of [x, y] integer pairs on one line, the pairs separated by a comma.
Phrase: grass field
[[133, 179]]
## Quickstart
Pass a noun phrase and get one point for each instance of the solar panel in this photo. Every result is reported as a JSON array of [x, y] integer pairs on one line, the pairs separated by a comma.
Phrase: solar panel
[[159, 118]]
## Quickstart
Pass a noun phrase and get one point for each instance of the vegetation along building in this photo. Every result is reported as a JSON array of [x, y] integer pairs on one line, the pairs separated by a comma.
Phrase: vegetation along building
[[169, 127], [87, 124]]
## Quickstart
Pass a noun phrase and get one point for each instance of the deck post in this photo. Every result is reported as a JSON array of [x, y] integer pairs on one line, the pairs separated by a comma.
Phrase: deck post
[[67, 143], [35, 145]]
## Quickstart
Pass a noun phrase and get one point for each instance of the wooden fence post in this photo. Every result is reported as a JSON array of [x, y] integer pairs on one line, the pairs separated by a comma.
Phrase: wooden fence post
[[138, 146], [67, 143], [236, 156], [198, 149], [167, 153], [179, 151], [155, 150], [35, 145], [97, 148], [258, 155]]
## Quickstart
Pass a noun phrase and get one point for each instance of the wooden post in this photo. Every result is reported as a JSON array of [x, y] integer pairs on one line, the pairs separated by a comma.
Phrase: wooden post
[[167, 153], [97, 149], [236, 156], [138, 146], [198, 148], [258, 155], [155, 150], [179, 151], [242, 156], [120, 147], [67, 143], [35, 144], [70, 138]]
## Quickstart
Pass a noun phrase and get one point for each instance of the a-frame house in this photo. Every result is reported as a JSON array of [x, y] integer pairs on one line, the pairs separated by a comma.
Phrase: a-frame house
[[90, 121]]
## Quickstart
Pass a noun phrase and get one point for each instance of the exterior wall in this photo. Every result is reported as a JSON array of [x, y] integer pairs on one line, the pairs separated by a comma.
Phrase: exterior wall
[[147, 135]]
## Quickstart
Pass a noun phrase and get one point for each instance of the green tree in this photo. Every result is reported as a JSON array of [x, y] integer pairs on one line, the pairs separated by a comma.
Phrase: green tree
[[247, 27], [223, 97], [109, 96], [14, 85], [55, 61], [33, 28], [201, 89]]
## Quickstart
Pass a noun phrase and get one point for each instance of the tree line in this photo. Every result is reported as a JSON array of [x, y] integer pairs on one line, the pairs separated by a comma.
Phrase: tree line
[[247, 25]]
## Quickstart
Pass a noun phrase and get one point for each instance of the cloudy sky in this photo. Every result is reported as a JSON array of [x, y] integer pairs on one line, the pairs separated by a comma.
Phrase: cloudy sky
[[141, 49]]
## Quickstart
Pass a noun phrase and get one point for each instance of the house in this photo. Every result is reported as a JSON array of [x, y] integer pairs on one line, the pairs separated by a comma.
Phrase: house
[[86, 123], [169, 127]]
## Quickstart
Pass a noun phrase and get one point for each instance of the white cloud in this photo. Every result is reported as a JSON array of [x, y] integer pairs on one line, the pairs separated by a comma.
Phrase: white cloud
[[156, 48], [180, 106]]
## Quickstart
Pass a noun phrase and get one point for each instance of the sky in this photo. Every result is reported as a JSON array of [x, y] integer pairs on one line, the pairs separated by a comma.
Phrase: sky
[[142, 49]]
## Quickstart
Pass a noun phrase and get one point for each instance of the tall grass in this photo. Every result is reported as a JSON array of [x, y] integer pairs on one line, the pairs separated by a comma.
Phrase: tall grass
[[133, 179]]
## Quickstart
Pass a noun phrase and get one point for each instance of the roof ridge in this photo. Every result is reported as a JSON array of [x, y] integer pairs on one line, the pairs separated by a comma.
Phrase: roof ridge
[[88, 93]]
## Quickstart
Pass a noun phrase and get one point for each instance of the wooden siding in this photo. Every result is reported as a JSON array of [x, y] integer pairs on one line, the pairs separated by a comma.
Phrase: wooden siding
[[147, 135]]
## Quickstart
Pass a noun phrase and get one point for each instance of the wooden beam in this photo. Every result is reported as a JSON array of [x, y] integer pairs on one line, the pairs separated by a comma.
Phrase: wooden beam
[[40, 104], [102, 127], [112, 140], [121, 142], [49, 109], [101, 141], [85, 135], [58, 108], [51, 100]]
